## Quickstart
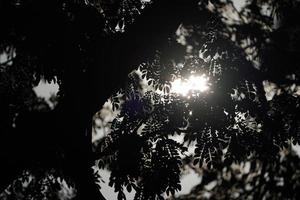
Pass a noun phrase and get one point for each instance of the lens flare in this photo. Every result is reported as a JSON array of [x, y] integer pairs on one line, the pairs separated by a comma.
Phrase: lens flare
[[194, 84]]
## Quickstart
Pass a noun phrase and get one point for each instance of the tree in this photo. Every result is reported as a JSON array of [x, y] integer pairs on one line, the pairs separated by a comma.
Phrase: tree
[[252, 179], [74, 42]]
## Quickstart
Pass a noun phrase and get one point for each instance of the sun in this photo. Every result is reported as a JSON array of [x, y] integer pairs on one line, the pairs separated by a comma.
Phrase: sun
[[194, 84]]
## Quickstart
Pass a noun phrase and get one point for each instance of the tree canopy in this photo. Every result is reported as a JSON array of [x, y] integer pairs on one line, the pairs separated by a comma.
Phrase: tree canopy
[[222, 75]]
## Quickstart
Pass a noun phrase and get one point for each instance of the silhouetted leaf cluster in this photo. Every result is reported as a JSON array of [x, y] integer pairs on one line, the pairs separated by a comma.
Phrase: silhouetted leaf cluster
[[251, 179]]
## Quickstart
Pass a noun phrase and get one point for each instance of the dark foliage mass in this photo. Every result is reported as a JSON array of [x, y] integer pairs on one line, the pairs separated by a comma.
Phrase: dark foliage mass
[[252, 179], [247, 117]]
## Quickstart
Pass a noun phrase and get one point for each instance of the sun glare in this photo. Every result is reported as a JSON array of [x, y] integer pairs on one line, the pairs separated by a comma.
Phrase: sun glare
[[194, 84]]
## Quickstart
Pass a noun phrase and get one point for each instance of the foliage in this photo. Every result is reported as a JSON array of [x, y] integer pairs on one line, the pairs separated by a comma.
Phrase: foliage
[[144, 159], [251, 179], [39, 184], [232, 120], [242, 52]]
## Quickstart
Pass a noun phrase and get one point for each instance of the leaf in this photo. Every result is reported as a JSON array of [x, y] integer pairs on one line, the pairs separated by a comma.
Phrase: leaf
[[110, 183], [129, 188], [143, 76], [196, 161], [172, 191], [121, 196]]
